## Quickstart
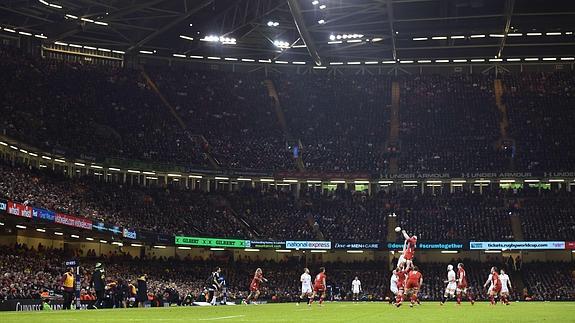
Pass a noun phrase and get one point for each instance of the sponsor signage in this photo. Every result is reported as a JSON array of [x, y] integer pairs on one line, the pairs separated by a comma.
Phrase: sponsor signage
[[477, 175], [43, 214], [18, 209], [308, 244], [320, 175], [32, 305], [101, 226], [356, 245], [73, 221], [130, 234], [516, 245], [71, 263], [429, 246], [212, 242], [3, 205], [267, 244], [155, 238], [570, 245]]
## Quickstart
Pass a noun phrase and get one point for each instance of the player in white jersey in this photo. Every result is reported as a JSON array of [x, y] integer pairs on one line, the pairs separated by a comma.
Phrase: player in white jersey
[[505, 287], [356, 288], [393, 282], [489, 282], [306, 290], [451, 285]]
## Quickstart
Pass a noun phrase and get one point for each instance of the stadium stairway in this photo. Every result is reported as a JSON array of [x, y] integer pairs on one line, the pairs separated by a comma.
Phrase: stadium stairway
[[273, 94], [504, 140], [516, 227], [517, 281], [222, 203], [193, 138], [394, 126], [315, 228], [503, 119]]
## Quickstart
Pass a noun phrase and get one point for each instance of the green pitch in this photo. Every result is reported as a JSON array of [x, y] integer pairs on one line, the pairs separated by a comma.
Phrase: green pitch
[[330, 312]]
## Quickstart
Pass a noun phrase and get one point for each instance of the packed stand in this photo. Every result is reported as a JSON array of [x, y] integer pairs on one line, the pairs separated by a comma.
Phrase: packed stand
[[232, 110], [37, 273], [162, 210], [449, 124], [541, 117], [89, 111], [344, 215], [550, 281], [460, 216], [549, 216], [272, 214], [342, 121]]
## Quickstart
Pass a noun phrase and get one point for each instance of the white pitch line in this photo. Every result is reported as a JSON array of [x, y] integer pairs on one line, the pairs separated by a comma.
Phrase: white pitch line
[[221, 318]]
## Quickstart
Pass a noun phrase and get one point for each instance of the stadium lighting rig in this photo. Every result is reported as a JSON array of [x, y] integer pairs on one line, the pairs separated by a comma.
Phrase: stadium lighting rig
[[186, 37], [492, 35], [385, 62], [281, 44], [219, 39], [48, 4], [273, 23], [345, 36]]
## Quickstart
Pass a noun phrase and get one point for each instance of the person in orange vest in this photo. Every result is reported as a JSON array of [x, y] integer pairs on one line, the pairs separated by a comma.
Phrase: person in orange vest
[[68, 288], [133, 291]]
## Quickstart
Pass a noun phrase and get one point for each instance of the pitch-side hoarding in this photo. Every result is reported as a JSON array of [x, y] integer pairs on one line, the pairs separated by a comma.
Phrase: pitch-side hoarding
[[516, 245]]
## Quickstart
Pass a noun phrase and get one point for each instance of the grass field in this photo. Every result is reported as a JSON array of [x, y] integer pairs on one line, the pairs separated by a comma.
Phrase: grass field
[[331, 312]]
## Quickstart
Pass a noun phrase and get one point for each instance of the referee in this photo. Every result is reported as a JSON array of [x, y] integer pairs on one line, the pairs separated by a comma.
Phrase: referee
[[68, 287], [142, 293]]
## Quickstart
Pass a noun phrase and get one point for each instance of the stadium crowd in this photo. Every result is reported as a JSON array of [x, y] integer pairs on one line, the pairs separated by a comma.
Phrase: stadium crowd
[[540, 114], [162, 210], [338, 215], [30, 272], [447, 123], [342, 122]]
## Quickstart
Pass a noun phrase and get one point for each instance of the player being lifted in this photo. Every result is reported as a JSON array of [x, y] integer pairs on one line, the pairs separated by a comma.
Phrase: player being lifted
[[255, 287], [462, 284], [356, 288], [505, 287], [451, 285], [495, 285], [306, 291], [408, 251], [319, 286], [414, 282]]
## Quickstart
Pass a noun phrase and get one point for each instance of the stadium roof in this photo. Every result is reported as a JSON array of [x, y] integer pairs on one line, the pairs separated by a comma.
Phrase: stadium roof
[[302, 31]]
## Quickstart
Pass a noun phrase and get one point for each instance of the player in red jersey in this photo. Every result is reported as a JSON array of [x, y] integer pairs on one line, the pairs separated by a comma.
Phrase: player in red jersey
[[414, 281], [495, 287], [319, 286], [408, 250], [401, 276], [462, 284], [255, 287]]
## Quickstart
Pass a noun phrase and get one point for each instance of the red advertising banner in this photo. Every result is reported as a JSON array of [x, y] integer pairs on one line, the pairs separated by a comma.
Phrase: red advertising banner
[[73, 221], [18, 209], [570, 245]]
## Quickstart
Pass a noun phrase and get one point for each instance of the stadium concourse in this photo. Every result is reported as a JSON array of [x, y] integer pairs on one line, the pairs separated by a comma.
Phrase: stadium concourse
[[147, 160]]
